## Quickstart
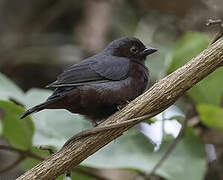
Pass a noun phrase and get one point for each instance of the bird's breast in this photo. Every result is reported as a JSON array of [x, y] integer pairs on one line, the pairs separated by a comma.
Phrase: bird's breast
[[118, 92], [140, 77]]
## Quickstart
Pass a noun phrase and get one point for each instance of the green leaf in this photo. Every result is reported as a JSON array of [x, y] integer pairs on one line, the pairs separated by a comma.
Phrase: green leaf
[[190, 45], [211, 116], [150, 120], [16, 131], [187, 47], [178, 118], [188, 151], [9, 89], [209, 90], [134, 151]]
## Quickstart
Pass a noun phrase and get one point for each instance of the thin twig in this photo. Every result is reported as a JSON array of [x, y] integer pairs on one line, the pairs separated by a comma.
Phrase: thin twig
[[22, 155], [169, 150], [96, 130], [22, 152], [14, 164]]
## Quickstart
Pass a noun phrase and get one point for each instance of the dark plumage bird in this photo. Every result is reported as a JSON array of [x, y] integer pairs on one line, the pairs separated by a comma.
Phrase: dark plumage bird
[[96, 86]]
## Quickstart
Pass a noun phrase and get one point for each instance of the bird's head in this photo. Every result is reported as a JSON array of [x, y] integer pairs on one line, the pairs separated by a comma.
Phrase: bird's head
[[131, 48]]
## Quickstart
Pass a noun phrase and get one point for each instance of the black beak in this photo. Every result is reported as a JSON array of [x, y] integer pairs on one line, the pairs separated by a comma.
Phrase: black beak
[[148, 50]]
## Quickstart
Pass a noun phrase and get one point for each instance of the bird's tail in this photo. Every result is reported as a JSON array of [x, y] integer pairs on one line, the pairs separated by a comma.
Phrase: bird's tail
[[53, 102], [34, 109]]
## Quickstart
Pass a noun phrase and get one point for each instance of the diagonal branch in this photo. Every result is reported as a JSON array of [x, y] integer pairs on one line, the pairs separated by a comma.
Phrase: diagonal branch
[[160, 96]]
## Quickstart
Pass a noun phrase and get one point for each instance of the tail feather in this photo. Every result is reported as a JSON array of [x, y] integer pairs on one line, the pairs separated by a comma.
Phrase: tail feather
[[48, 104], [53, 102]]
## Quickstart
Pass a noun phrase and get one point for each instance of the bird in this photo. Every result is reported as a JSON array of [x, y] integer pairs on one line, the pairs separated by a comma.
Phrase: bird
[[99, 85]]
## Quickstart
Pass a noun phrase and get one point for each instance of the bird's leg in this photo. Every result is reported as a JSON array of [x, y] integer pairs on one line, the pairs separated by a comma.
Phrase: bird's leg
[[220, 32]]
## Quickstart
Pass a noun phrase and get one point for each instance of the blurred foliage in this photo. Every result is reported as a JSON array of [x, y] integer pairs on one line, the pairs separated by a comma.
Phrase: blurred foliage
[[211, 116], [185, 49], [18, 133], [134, 151], [9, 89]]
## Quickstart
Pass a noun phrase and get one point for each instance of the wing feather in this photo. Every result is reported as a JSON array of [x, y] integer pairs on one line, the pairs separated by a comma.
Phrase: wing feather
[[93, 70]]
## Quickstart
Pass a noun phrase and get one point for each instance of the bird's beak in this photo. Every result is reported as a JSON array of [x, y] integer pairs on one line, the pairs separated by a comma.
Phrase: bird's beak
[[148, 50]]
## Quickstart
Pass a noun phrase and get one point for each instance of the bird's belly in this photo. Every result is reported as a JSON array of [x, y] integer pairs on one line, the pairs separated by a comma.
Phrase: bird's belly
[[114, 92], [98, 101]]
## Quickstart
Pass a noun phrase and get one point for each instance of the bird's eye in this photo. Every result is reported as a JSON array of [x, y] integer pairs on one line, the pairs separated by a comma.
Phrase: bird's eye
[[133, 49]]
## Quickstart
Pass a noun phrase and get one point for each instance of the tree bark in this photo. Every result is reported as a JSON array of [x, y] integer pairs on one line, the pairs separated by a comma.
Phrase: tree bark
[[160, 96]]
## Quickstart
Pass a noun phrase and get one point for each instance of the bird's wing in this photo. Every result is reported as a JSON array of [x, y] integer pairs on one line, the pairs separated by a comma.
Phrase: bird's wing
[[93, 70], [112, 67]]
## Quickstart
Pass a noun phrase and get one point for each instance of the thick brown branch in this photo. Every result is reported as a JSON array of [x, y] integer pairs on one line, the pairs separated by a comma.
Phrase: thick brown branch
[[156, 99]]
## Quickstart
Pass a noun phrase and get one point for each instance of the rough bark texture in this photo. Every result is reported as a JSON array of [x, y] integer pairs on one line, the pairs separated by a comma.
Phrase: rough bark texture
[[157, 98]]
